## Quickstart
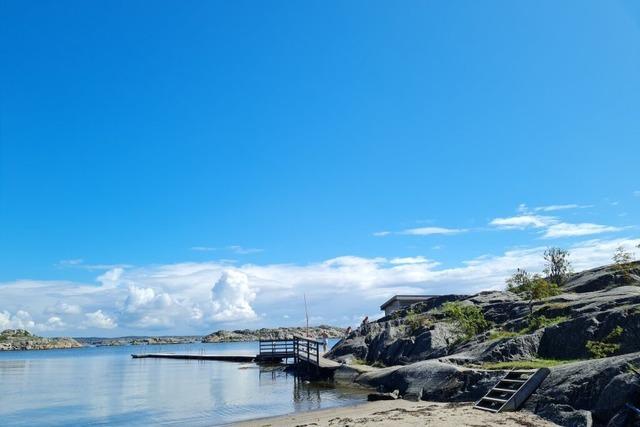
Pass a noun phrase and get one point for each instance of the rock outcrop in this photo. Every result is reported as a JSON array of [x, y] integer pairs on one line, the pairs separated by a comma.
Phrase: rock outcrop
[[599, 387], [20, 339], [137, 340], [429, 360], [272, 333]]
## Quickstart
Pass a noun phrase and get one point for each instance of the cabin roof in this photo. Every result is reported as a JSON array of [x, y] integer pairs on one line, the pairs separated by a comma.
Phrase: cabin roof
[[414, 298]]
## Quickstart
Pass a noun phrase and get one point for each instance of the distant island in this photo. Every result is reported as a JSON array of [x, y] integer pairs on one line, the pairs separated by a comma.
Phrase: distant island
[[20, 339], [273, 333]]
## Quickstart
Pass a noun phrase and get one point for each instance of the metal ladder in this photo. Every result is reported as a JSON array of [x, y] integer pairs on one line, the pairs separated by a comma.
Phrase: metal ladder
[[512, 390]]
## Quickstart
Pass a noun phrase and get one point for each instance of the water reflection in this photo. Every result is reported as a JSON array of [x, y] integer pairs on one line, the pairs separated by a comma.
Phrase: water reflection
[[105, 386]]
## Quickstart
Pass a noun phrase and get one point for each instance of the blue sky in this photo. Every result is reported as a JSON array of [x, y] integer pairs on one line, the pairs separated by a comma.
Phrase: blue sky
[[153, 153]]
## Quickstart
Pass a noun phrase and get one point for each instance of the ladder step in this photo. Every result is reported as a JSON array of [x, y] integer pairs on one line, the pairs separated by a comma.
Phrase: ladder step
[[512, 390], [494, 399], [504, 390]]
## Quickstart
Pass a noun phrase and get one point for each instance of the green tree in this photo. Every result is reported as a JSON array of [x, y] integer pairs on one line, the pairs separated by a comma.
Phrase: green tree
[[622, 262], [469, 319], [557, 265], [531, 287]]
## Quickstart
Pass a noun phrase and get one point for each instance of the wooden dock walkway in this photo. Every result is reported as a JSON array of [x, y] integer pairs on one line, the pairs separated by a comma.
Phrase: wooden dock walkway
[[220, 357], [299, 349]]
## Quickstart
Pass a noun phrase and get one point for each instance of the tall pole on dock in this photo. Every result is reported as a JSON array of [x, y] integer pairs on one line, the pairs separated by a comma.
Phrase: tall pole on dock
[[306, 313]]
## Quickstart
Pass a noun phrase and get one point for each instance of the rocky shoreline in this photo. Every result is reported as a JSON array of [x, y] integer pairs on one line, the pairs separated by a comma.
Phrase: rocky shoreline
[[424, 356], [137, 340], [273, 333], [20, 339]]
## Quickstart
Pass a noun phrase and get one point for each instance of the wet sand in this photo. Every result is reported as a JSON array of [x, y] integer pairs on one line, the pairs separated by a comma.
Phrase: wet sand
[[401, 413]]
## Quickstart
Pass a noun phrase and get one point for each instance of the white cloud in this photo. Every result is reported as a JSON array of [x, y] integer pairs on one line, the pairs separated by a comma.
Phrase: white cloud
[[409, 260], [138, 297], [80, 264], [426, 231], [185, 298], [55, 323], [381, 233], [202, 249], [236, 249], [99, 320], [521, 222], [572, 230], [70, 262], [231, 297], [20, 320], [111, 277], [550, 227], [552, 208], [64, 308]]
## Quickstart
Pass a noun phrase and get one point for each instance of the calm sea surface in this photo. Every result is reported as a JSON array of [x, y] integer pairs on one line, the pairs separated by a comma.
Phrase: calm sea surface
[[105, 386]]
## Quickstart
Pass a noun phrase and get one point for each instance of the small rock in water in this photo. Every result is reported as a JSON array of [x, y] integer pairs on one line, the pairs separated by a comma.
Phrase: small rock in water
[[394, 395]]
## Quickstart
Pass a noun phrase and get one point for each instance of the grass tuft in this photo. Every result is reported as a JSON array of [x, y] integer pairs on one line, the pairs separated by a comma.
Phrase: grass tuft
[[500, 334], [525, 364]]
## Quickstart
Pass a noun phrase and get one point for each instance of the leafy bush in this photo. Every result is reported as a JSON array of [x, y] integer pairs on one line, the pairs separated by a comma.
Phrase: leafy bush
[[539, 322], [623, 264], [531, 287], [606, 347], [416, 321], [469, 319]]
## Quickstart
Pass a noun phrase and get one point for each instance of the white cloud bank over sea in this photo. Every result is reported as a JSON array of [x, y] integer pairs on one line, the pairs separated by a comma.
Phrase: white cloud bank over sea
[[199, 297]]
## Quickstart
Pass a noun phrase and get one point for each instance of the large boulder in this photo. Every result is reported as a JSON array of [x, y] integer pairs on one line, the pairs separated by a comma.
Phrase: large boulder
[[433, 380], [600, 386], [524, 347]]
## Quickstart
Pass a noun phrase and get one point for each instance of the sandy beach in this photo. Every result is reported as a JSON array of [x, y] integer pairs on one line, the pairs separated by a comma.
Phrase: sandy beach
[[401, 413]]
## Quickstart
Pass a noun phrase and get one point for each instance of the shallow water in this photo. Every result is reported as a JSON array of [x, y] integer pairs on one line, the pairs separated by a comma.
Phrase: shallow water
[[105, 386]]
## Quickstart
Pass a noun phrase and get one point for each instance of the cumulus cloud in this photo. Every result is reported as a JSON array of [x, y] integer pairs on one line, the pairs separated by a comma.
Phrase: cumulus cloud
[[198, 297], [99, 320], [231, 297], [63, 308], [111, 277], [20, 320]]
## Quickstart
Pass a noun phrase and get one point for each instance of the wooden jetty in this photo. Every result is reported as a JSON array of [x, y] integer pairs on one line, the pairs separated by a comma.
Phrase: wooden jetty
[[299, 350], [187, 356]]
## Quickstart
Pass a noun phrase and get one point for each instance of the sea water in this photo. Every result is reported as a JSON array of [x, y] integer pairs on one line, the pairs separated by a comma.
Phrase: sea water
[[105, 386]]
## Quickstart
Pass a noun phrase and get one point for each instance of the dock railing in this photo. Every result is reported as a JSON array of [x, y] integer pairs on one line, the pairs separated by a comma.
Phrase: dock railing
[[307, 349], [277, 349], [298, 348]]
